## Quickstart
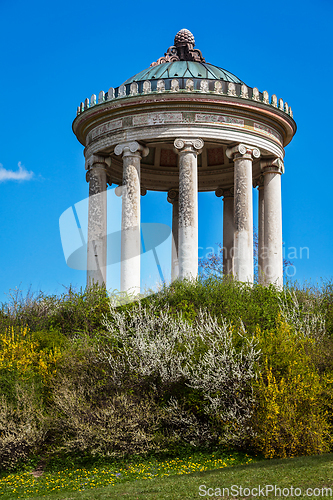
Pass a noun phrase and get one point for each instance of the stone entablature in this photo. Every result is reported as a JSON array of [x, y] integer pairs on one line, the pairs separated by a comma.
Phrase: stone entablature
[[157, 119]]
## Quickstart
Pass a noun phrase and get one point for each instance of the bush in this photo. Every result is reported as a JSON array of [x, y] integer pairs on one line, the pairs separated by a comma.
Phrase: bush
[[68, 314], [255, 371], [23, 427], [292, 397], [193, 366], [223, 298]]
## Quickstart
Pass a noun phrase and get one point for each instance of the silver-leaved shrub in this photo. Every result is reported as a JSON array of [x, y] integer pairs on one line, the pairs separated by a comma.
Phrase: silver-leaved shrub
[[201, 371]]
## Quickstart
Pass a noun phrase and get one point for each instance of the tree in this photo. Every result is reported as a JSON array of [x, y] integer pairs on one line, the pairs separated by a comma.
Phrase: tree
[[213, 264]]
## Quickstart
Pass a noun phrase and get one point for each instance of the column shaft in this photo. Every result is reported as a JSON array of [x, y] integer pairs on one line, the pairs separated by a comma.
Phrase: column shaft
[[97, 219], [130, 223], [273, 226], [243, 258], [188, 206], [130, 226], [175, 229], [228, 232], [242, 156], [261, 234], [173, 198]]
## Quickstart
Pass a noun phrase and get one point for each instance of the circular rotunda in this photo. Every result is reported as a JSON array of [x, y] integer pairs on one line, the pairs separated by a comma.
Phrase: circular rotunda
[[182, 126]]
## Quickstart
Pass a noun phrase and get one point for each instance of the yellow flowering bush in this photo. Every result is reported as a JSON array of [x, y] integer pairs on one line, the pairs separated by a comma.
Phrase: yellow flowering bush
[[292, 416], [26, 369], [19, 352]]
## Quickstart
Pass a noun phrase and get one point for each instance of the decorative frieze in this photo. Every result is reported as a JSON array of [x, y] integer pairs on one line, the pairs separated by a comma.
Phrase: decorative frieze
[[106, 127], [274, 101], [210, 118], [133, 88], [255, 94], [267, 130], [204, 86], [244, 91], [160, 87], [175, 86], [111, 93], [146, 87], [232, 89], [218, 87], [189, 85], [157, 118], [122, 91]]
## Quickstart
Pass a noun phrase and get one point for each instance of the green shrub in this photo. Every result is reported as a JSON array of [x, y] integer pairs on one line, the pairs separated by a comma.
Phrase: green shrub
[[162, 372], [200, 370], [293, 402], [224, 298], [23, 426]]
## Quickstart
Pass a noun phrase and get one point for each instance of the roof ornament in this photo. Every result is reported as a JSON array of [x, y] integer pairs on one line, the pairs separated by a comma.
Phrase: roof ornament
[[183, 50]]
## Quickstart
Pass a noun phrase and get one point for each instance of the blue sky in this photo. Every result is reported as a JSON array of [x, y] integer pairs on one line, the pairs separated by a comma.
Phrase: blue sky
[[56, 54]]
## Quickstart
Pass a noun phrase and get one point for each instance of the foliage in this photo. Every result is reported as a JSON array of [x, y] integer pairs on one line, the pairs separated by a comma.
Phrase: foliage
[[203, 362], [21, 353], [212, 265], [22, 426], [223, 298], [291, 418], [70, 313], [151, 349]]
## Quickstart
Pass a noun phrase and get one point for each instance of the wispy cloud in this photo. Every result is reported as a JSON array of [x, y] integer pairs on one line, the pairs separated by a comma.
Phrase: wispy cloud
[[20, 175]]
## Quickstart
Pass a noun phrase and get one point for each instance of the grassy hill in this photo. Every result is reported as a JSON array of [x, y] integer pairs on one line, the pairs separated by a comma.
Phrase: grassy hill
[[211, 365]]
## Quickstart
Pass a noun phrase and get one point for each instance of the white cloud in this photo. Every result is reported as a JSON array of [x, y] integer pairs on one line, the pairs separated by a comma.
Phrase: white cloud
[[20, 175]]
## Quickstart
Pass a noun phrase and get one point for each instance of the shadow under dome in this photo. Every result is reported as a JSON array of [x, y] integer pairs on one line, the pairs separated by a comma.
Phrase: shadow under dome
[[184, 69]]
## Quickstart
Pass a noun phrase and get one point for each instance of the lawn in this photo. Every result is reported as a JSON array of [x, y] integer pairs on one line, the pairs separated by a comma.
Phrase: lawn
[[200, 476]]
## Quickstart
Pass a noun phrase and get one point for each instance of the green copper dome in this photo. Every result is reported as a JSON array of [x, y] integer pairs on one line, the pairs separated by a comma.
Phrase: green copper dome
[[184, 69]]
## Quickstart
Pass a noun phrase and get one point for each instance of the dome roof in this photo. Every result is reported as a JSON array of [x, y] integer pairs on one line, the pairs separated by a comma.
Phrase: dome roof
[[182, 60], [184, 69]]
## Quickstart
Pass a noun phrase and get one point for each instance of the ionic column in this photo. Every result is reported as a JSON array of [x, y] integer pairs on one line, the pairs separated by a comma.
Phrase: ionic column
[[228, 228], [173, 198], [188, 150], [242, 156], [132, 152], [96, 247], [273, 265], [261, 229]]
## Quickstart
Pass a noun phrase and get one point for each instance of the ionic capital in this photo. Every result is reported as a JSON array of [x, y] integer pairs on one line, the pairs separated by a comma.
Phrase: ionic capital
[[188, 146], [131, 149], [226, 193], [97, 161], [259, 182], [273, 165], [243, 151], [97, 164], [173, 195]]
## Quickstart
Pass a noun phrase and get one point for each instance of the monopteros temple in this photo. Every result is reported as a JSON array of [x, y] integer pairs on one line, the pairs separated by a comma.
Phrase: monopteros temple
[[182, 126]]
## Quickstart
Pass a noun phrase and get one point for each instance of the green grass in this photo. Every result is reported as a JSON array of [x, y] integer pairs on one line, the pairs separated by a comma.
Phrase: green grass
[[174, 479]]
